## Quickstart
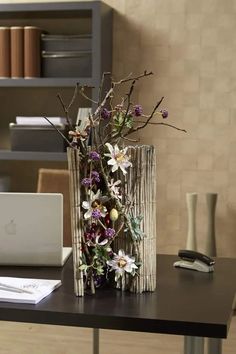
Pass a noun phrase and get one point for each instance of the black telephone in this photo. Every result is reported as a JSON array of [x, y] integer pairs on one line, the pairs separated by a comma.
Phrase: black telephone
[[195, 261]]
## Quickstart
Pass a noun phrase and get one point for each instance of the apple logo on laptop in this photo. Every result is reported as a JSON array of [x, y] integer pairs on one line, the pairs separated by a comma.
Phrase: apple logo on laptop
[[10, 228]]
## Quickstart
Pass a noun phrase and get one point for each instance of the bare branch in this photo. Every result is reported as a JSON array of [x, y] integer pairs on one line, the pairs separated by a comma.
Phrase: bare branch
[[133, 78], [100, 92], [130, 140], [132, 130], [167, 124], [65, 109], [115, 83], [101, 86], [81, 91], [62, 103], [63, 136], [73, 97]]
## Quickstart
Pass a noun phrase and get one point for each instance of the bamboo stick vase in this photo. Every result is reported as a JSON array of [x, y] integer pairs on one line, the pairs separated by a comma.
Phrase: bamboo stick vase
[[139, 241], [140, 184], [76, 218]]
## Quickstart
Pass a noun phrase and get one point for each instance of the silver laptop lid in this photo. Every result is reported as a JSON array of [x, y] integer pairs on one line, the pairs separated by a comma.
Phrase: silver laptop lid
[[31, 228]]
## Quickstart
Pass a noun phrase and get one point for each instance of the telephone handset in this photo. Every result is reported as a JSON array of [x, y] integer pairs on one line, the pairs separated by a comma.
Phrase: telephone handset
[[195, 261]]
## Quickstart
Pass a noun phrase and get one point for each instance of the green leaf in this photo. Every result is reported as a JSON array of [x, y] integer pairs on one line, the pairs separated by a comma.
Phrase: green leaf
[[100, 271], [118, 121], [134, 227], [129, 122], [83, 267]]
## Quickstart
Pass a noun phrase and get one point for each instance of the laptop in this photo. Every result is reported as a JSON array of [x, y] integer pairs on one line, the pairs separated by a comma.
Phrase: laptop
[[31, 229]]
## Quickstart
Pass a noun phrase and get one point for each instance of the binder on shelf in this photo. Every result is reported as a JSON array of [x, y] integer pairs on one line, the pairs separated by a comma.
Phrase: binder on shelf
[[5, 69], [37, 138], [67, 63], [64, 42], [31, 52], [17, 52]]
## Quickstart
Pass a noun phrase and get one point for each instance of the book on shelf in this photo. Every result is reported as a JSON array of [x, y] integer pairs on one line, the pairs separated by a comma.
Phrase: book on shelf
[[26, 290], [17, 52], [5, 62], [40, 120], [32, 37]]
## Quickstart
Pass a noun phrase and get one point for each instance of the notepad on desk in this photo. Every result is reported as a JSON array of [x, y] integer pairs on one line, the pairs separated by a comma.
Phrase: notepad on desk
[[26, 290]]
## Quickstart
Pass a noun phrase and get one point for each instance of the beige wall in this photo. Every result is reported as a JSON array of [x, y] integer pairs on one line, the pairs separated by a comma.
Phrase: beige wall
[[190, 46]]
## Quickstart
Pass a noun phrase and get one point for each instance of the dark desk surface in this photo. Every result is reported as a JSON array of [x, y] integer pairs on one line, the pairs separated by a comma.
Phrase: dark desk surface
[[185, 302]]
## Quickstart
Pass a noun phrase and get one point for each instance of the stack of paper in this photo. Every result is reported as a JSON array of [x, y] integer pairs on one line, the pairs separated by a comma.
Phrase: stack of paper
[[26, 290], [40, 120]]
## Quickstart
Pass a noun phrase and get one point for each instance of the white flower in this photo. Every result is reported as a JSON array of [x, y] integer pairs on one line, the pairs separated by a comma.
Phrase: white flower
[[101, 243], [114, 189], [119, 159], [122, 263], [93, 204]]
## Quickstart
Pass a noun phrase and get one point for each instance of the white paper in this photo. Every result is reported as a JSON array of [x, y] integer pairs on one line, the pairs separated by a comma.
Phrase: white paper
[[40, 288], [40, 120]]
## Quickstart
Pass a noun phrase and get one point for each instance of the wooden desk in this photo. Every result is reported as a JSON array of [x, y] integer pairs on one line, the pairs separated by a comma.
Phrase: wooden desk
[[185, 303]]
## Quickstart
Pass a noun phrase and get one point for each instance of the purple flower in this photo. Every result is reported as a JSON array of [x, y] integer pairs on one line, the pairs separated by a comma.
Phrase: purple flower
[[138, 110], [164, 113], [105, 114], [98, 280], [109, 232], [94, 155], [95, 176], [96, 214], [89, 236], [87, 182]]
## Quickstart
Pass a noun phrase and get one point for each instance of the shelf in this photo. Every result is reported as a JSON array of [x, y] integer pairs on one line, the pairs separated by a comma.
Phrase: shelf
[[46, 82], [32, 155], [53, 6], [37, 96]]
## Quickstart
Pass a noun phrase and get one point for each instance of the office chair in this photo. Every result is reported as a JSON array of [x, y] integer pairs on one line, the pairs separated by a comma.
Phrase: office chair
[[57, 181]]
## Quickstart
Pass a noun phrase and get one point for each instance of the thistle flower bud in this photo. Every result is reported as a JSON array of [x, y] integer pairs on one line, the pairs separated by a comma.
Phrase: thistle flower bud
[[138, 110], [114, 214], [164, 113], [105, 114]]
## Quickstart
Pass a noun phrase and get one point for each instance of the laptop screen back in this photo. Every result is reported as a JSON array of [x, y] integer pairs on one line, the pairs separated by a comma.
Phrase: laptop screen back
[[31, 228]]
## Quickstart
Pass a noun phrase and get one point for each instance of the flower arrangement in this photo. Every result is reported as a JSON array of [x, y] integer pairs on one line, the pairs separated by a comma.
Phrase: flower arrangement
[[106, 207]]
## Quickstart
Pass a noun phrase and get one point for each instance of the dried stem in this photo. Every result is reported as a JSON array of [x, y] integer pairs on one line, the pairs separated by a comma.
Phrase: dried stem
[[63, 136], [133, 78], [129, 94], [73, 97], [116, 83], [100, 91], [132, 130], [129, 139], [65, 109], [167, 124], [100, 99], [81, 91]]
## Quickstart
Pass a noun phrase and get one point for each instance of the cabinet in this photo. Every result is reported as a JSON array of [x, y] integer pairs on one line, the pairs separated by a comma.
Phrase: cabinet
[[37, 97]]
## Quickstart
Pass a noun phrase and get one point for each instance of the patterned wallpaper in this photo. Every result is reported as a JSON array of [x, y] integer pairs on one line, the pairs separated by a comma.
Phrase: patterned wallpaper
[[190, 46]]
